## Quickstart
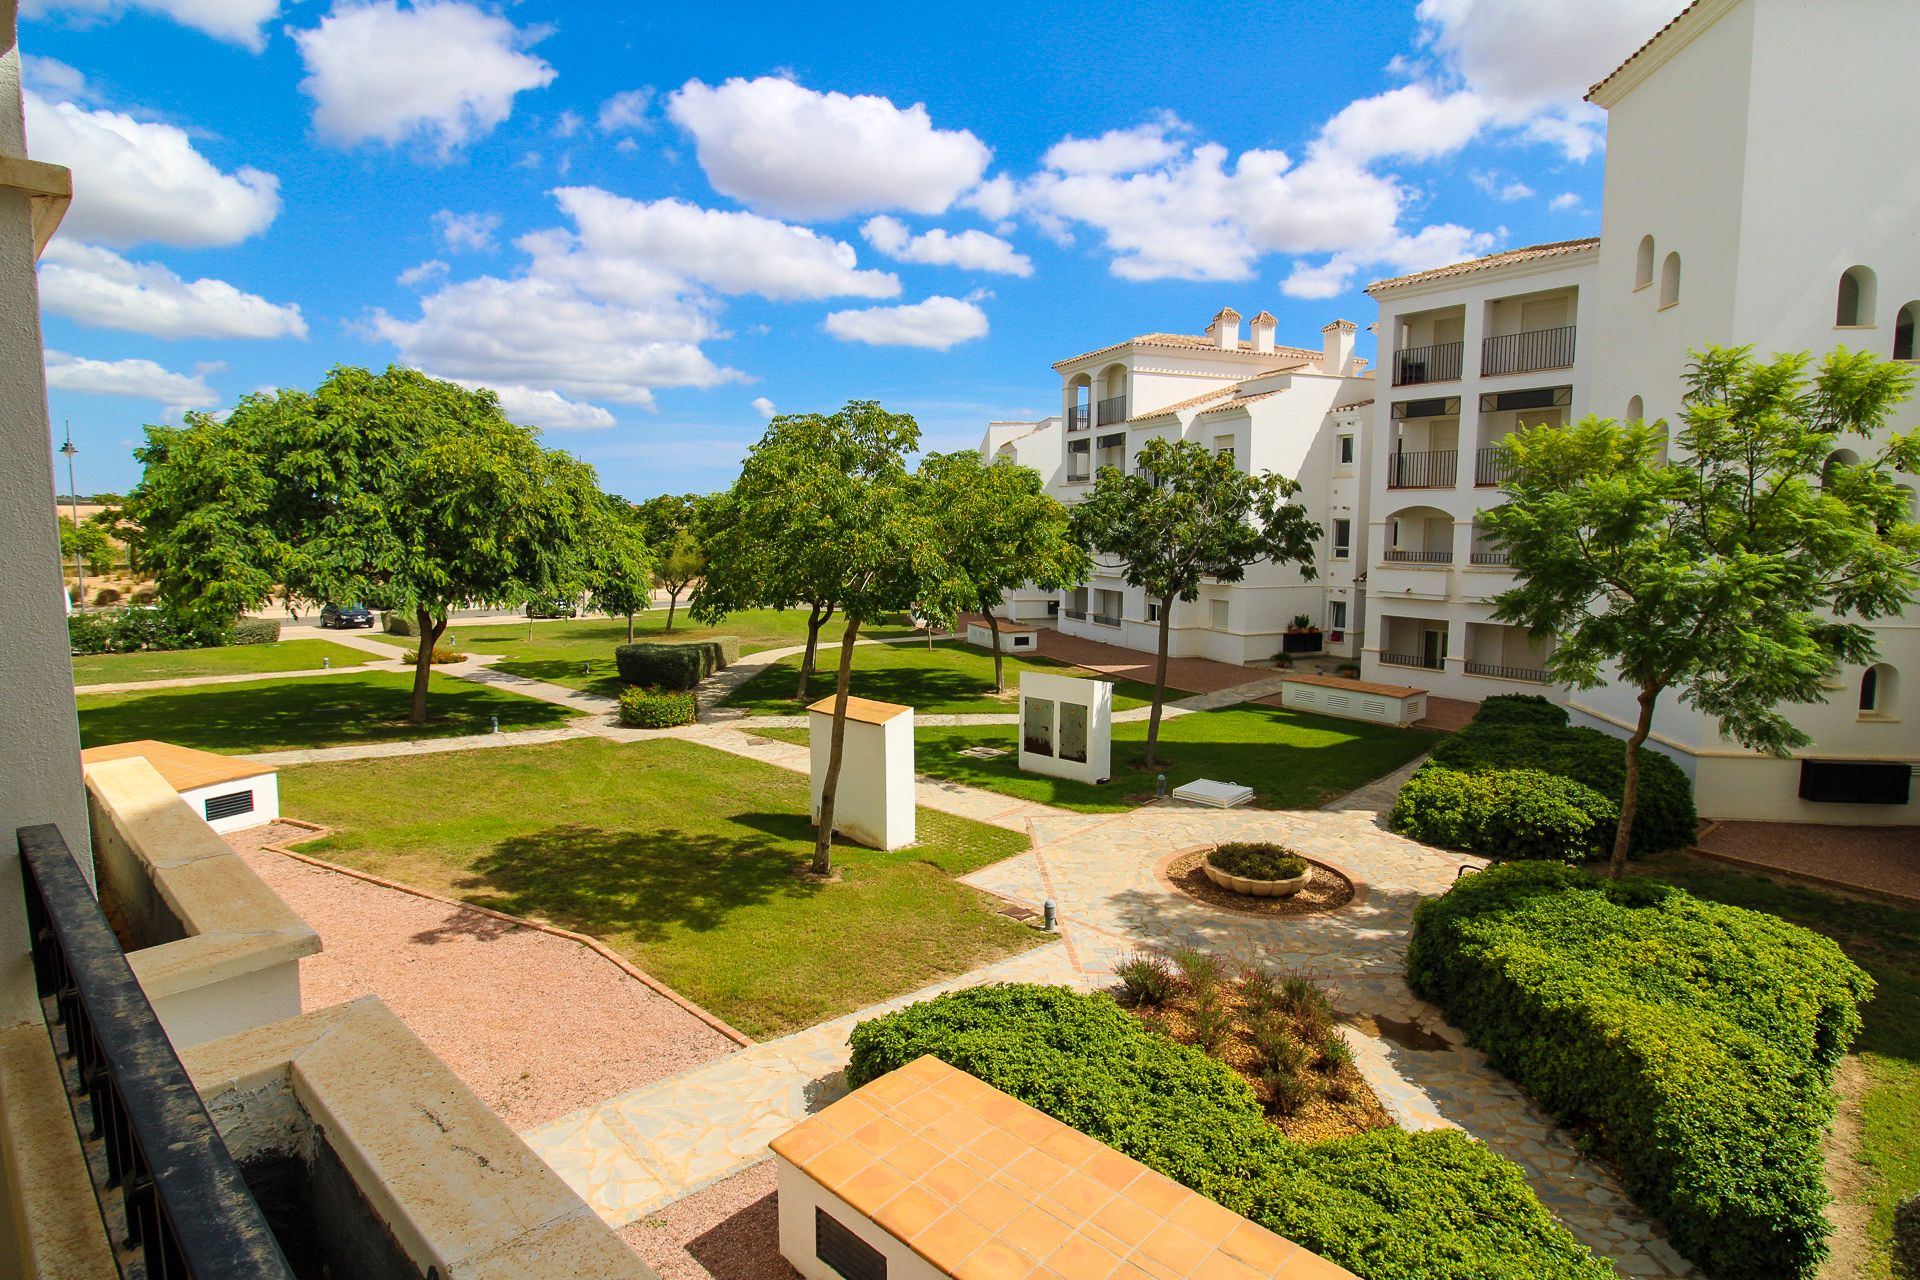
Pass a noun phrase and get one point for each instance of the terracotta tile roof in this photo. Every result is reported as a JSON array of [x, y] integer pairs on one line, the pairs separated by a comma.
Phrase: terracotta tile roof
[[1357, 404], [1532, 252], [1189, 342], [1188, 403], [865, 710], [978, 1183], [1239, 400], [1651, 41], [1357, 686], [184, 768]]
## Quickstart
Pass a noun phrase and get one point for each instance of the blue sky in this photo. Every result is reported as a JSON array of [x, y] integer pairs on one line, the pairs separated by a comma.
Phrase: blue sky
[[650, 226]]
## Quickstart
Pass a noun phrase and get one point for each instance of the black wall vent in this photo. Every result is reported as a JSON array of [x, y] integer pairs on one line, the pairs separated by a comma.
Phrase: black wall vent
[[230, 805], [845, 1252], [1855, 781]]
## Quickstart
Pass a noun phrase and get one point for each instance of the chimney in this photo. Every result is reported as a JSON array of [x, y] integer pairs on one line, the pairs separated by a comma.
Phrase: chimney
[[1225, 329], [1263, 326], [1336, 347]]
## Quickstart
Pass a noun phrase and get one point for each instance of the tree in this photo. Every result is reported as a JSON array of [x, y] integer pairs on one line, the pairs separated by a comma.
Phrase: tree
[[1739, 574], [1185, 514], [679, 560], [393, 488], [1001, 529], [89, 539], [620, 567]]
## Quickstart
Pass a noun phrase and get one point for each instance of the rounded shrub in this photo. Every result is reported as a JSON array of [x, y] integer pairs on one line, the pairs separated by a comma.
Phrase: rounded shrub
[[1521, 708], [1505, 813], [255, 631], [678, 665], [1258, 860], [642, 708], [106, 598]]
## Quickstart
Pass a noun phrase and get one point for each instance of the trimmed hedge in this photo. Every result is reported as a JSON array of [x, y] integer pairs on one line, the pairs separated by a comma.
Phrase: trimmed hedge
[[655, 708], [255, 631], [1520, 708], [1506, 813], [395, 623], [1696, 1042], [679, 665], [1387, 1205]]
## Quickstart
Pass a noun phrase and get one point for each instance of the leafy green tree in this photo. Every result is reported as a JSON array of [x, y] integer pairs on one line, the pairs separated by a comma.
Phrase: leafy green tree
[[620, 566], [395, 488], [89, 539], [669, 521], [1183, 515], [1738, 575], [1002, 529]]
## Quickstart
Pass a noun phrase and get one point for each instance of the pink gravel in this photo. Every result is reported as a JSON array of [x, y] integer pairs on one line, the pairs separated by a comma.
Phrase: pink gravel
[[536, 1025], [1882, 860], [728, 1231]]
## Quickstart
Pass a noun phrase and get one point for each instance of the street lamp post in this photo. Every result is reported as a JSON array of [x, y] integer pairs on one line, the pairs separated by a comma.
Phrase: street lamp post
[[73, 497]]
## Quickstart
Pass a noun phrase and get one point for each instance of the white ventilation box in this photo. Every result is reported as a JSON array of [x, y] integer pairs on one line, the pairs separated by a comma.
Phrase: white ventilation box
[[1215, 795]]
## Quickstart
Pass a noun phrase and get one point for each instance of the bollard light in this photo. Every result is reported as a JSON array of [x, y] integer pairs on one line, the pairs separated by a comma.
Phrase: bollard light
[[586, 668], [1050, 917], [326, 664], [496, 724], [1160, 787]]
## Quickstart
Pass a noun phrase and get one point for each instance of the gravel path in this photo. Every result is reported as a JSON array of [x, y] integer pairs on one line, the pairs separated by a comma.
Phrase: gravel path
[[536, 1025], [1883, 860], [730, 1231]]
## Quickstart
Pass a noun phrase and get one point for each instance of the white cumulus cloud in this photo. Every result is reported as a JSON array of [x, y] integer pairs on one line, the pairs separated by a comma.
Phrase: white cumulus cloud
[[626, 110], [1414, 121], [1565, 200], [423, 273], [546, 409], [1432, 246], [793, 152], [141, 379], [763, 406], [460, 231], [1119, 150], [974, 250], [238, 22], [444, 72], [136, 180], [937, 323], [99, 287]]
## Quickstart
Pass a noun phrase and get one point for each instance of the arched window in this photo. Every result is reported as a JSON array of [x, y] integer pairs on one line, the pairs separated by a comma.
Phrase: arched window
[[1854, 310], [1838, 458], [1903, 331], [1643, 265], [1878, 685], [1636, 409], [1670, 280]]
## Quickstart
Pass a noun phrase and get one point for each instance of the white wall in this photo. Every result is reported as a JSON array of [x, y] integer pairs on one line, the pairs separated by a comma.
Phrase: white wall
[[874, 803]]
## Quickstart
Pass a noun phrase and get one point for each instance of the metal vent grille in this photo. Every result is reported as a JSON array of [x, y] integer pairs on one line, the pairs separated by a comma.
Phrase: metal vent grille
[[845, 1252], [231, 805]]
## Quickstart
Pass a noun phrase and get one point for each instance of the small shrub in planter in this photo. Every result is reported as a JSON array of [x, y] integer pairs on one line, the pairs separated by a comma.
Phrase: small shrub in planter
[[642, 708], [1348, 670], [255, 631], [441, 654], [1259, 860]]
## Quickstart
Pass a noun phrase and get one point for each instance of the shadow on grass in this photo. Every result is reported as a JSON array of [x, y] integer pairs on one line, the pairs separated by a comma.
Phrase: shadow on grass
[[597, 676], [913, 686]]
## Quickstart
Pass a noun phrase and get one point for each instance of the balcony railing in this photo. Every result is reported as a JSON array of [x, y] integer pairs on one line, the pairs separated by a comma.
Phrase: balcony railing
[[170, 1195], [1431, 469], [1492, 466], [1107, 619], [1525, 352], [1079, 417], [1111, 410], [1412, 660], [1487, 557], [1397, 555], [1437, 363], [1078, 615], [1077, 477], [1532, 675]]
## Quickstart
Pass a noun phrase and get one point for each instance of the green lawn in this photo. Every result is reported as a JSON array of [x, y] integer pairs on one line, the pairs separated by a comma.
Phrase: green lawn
[[1882, 940], [1291, 760], [313, 711], [579, 653], [951, 678], [238, 659], [683, 859]]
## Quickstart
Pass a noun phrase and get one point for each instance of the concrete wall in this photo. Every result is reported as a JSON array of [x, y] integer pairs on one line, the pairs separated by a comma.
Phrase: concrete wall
[[800, 1196]]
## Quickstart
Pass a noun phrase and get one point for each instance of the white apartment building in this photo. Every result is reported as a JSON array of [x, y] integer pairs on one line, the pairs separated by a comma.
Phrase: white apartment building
[[1760, 189], [1301, 412]]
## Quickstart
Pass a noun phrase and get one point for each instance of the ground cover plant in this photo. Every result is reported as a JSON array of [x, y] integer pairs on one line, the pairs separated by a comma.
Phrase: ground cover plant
[[1694, 1042], [1885, 1088], [1385, 1204], [643, 708], [309, 711], [683, 859], [288, 655]]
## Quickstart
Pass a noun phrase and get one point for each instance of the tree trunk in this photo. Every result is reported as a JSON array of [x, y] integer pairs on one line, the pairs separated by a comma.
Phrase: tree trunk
[[1630, 793], [830, 785], [629, 626], [673, 602], [999, 676], [1159, 682], [815, 620], [430, 631]]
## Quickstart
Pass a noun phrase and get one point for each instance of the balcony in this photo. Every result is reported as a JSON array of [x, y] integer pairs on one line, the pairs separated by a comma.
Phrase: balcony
[[1106, 619], [1412, 660], [1431, 469], [1078, 417], [1492, 466], [1494, 558], [1076, 615], [1525, 352], [1437, 363], [1396, 555], [1529, 675], [1109, 411]]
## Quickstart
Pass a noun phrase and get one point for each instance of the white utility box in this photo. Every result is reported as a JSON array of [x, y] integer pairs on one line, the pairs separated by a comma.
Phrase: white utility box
[[874, 803], [1012, 639], [1395, 704], [1066, 726]]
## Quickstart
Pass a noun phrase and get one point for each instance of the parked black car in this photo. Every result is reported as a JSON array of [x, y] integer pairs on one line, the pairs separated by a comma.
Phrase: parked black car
[[551, 609], [346, 616]]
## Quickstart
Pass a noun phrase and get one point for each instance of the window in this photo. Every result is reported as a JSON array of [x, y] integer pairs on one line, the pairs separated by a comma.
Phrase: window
[[1153, 612], [1855, 781], [1854, 307], [1106, 607], [1903, 331], [1636, 409], [1342, 539], [1223, 447], [1343, 451], [1670, 280], [1336, 615], [1079, 456], [1877, 684], [1643, 264], [1220, 610]]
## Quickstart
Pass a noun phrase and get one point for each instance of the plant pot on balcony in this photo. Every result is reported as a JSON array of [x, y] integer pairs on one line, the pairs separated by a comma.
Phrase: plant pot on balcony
[[1259, 861]]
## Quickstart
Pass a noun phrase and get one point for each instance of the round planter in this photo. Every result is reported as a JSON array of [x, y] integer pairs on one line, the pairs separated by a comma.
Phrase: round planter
[[1258, 888]]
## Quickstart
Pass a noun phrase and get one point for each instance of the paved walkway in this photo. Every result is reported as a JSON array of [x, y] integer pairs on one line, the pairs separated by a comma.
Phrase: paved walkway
[[239, 677]]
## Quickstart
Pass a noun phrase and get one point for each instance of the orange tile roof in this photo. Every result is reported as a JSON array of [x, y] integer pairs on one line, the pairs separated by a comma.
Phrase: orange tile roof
[[1239, 400], [1357, 686], [184, 768], [980, 1184], [1557, 248], [1188, 403], [1190, 342], [1357, 404], [865, 710], [1632, 57]]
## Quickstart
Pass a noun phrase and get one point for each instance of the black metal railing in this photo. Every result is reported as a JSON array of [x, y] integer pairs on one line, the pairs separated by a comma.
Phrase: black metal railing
[[169, 1192], [1412, 660], [1079, 417], [1437, 363], [1077, 477], [1492, 466], [1487, 557], [1393, 555], [1078, 615], [1532, 675], [1107, 619], [1525, 352], [1111, 410], [1430, 469]]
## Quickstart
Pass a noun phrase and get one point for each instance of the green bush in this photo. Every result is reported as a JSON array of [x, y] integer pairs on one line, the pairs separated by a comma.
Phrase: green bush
[[442, 655], [255, 631], [680, 665], [1695, 1041], [1258, 860], [134, 630], [655, 708], [1520, 708], [398, 624], [1665, 817], [1505, 813], [1387, 1205]]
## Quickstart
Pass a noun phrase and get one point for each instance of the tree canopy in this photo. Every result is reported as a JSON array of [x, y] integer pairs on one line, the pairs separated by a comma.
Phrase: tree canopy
[[670, 525], [1741, 573], [620, 564]]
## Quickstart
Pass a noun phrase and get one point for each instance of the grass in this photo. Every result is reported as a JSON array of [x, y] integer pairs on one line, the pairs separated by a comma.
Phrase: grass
[[1291, 760], [681, 858], [238, 659], [1881, 939], [951, 678], [579, 653], [313, 711]]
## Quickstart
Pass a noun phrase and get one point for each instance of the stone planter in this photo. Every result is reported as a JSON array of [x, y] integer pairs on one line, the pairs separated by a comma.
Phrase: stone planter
[[1258, 888]]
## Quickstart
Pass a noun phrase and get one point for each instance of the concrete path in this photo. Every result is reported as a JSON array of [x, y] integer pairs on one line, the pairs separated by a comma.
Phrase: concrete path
[[239, 677], [417, 747]]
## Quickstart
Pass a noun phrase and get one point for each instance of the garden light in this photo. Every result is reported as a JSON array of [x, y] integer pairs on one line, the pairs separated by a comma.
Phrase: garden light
[[1049, 918]]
